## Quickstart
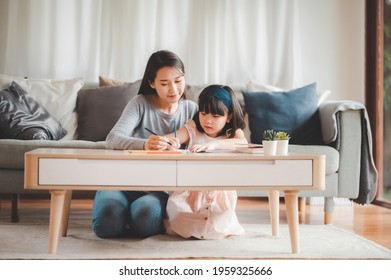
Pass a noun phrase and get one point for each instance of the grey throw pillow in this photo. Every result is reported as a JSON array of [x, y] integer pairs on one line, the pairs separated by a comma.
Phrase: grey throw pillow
[[99, 109]]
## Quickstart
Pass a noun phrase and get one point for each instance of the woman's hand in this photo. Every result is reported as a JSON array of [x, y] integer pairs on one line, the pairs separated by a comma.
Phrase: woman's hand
[[175, 142], [155, 142]]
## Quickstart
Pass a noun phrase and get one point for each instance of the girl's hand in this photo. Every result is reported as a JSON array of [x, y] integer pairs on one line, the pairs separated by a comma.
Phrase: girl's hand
[[197, 148]]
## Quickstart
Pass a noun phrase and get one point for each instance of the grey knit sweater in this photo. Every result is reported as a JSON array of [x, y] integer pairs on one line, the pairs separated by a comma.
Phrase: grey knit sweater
[[129, 133]]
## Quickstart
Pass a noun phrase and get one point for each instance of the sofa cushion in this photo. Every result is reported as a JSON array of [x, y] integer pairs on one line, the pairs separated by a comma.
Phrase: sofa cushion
[[12, 151], [21, 117], [292, 111], [99, 109], [310, 133], [58, 97], [332, 155], [104, 81], [253, 85]]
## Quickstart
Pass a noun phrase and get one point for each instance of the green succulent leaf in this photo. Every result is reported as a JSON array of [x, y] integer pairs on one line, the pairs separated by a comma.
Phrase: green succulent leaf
[[269, 135], [282, 135]]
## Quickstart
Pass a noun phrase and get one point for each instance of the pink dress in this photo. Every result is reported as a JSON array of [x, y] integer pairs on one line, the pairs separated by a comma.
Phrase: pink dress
[[203, 215]]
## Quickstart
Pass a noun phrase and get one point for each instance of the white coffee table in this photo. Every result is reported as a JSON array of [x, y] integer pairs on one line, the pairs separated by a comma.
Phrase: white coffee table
[[62, 171]]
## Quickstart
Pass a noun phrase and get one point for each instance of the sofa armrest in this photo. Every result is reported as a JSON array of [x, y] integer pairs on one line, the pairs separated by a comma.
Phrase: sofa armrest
[[349, 147], [341, 123], [328, 113]]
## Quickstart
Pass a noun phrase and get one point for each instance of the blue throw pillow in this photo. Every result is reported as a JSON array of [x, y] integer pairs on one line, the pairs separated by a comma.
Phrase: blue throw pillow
[[295, 112]]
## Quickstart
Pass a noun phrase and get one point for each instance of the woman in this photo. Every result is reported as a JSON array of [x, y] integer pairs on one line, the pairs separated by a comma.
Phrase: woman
[[159, 104]]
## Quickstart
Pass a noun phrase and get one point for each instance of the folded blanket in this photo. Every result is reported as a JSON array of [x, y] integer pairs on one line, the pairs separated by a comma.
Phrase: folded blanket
[[331, 131]]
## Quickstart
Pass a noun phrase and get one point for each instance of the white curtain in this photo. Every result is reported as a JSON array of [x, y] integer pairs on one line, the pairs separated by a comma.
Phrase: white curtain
[[220, 41]]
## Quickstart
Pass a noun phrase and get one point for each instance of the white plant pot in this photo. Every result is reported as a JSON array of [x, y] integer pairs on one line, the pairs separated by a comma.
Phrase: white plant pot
[[282, 147], [269, 147]]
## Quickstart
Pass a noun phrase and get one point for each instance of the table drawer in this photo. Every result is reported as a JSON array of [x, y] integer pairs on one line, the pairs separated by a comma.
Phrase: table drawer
[[82, 172], [245, 173]]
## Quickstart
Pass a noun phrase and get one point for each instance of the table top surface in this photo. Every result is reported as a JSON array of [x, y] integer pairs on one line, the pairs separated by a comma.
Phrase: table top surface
[[161, 155]]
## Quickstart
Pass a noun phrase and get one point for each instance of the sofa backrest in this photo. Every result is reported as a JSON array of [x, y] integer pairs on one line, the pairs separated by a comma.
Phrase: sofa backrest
[[98, 108]]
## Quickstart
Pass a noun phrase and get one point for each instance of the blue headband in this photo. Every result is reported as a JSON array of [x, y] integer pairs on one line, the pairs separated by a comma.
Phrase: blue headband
[[221, 94]]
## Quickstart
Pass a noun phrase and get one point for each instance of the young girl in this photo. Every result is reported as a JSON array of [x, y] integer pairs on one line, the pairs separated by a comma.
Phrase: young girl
[[208, 214]]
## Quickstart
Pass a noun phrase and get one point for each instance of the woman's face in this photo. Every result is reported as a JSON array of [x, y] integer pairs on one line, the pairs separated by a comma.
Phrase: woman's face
[[169, 84]]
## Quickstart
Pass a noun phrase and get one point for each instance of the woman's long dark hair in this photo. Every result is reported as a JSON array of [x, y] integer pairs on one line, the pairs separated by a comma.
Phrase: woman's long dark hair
[[210, 104], [157, 61]]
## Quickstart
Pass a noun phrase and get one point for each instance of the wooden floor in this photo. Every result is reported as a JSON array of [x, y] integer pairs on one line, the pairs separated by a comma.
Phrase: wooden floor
[[371, 222]]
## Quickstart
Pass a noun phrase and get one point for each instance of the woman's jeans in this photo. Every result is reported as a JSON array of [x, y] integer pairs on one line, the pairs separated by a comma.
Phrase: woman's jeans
[[128, 213]]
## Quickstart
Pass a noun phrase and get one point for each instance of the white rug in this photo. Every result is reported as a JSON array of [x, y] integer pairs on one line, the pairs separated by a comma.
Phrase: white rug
[[29, 240]]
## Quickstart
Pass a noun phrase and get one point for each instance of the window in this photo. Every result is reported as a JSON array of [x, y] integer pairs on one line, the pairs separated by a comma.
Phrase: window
[[378, 90]]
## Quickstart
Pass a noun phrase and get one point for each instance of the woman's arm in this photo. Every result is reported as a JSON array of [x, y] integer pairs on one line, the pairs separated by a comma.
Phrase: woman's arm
[[121, 137]]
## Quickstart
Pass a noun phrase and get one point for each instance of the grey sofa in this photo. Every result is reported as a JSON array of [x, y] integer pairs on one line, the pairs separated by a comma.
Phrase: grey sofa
[[342, 162]]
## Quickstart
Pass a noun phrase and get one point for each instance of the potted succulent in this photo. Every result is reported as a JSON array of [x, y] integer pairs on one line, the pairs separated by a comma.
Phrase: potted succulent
[[282, 138], [269, 142]]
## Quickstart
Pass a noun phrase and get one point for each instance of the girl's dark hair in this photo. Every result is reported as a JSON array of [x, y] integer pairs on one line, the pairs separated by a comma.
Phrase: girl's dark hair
[[210, 104], [157, 61]]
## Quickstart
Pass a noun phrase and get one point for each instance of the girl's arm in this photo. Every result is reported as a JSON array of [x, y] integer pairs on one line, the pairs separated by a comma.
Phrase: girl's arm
[[228, 144]]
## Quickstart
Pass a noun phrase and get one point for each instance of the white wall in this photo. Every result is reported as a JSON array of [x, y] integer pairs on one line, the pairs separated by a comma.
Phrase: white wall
[[333, 46]]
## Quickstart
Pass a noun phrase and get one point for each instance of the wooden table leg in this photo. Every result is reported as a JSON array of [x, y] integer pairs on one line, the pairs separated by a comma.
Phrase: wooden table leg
[[274, 210], [56, 215], [65, 214], [292, 213]]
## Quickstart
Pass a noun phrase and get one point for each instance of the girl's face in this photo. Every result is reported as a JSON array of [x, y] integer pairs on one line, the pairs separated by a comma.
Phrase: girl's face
[[213, 124], [169, 84]]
